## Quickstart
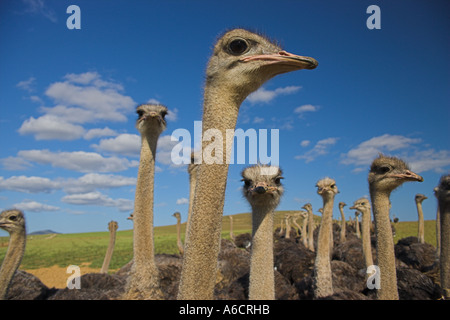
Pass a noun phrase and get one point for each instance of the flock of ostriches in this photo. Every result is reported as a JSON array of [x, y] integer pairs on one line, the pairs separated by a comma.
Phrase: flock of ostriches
[[332, 261]]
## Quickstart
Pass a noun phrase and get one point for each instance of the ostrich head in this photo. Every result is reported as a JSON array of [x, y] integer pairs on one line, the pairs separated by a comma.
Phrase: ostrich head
[[342, 204], [113, 226], [177, 215], [307, 207], [420, 197], [361, 205], [388, 173], [12, 221], [327, 188], [442, 191], [151, 118], [262, 185], [243, 61]]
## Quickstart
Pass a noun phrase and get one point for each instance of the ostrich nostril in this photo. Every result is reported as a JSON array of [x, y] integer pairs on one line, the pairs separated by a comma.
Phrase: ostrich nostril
[[260, 190]]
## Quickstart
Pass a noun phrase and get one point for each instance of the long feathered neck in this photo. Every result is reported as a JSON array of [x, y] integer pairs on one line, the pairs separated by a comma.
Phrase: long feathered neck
[[220, 113], [262, 281], [367, 248], [109, 251], [385, 245], [421, 224], [322, 268], [444, 208], [12, 260]]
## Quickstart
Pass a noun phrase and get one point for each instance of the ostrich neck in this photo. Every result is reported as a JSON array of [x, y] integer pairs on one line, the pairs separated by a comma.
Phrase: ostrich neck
[[322, 266], [445, 247], [179, 242], [385, 246], [109, 251], [202, 248], [341, 209], [367, 248], [262, 281], [11, 262], [421, 230], [143, 204], [311, 231]]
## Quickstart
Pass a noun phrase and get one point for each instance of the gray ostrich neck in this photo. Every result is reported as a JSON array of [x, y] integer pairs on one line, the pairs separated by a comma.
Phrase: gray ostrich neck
[[262, 281], [385, 246], [322, 266], [445, 247], [12, 260], [367, 248], [421, 227], [109, 251], [202, 248], [143, 210]]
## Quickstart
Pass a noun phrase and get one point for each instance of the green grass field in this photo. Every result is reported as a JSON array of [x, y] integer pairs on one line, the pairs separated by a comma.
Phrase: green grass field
[[67, 249]]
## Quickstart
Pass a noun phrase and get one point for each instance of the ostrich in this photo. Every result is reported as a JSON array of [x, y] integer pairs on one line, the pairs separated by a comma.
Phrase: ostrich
[[287, 235], [443, 196], [385, 175], [143, 282], [363, 206], [263, 190], [241, 62], [112, 227], [342, 237], [177, 215], [323, 285], [309, 210], [13, 221], [438, 226], [421, 231], [304, 236], [232, 236]]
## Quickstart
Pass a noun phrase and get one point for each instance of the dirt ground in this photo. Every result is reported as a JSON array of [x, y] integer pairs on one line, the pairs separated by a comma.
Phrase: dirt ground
[[56, 276]]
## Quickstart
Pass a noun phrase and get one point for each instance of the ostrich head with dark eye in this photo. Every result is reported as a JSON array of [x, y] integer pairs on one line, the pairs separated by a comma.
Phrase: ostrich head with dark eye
[[244, 59], [151, 117], [262, 185]]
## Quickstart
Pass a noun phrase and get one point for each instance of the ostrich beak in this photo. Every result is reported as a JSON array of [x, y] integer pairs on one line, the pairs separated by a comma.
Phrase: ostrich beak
[[408, 176], [286, 59]]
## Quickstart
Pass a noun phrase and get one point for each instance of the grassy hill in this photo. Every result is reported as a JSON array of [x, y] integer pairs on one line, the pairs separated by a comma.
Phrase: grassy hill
[[75, 249]]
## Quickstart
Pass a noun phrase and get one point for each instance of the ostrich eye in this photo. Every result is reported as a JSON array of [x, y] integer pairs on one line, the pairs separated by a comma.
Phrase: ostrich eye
[[383, 170], [238, 46], [163, 114], [278, 180], [13, 218], [333, 186], [140, 113], [247, 183]]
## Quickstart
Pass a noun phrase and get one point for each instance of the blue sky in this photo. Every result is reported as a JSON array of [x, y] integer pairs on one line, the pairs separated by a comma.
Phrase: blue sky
[[69, 150]]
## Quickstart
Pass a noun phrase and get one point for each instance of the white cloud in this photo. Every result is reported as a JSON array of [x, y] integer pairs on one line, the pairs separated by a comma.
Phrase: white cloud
[[320, 149], [419, 158], [258, 120], [172, 115], [78, 160], [305, 143], [38, 7], [264, 96], [183, 201], [366, 151], [92, 181], [98, 199], [15, 163], [305, 108], [95, 133], [34, 206], [49, 127], [27, 85], [78, 99], [124, 144], [28, 184]]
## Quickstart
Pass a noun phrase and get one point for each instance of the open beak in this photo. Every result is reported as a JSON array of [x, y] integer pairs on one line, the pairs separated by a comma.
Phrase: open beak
[[285, 58]]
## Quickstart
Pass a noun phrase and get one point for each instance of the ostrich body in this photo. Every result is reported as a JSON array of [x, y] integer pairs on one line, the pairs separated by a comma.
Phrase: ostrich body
[[12, 221], [112, 227], [386, 174], [443, 196], [342, 237], [421, 230], [309, 210], [263, 192], [177, 215], [143, 282], [241, 62], [323, 285], [363, 206]]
